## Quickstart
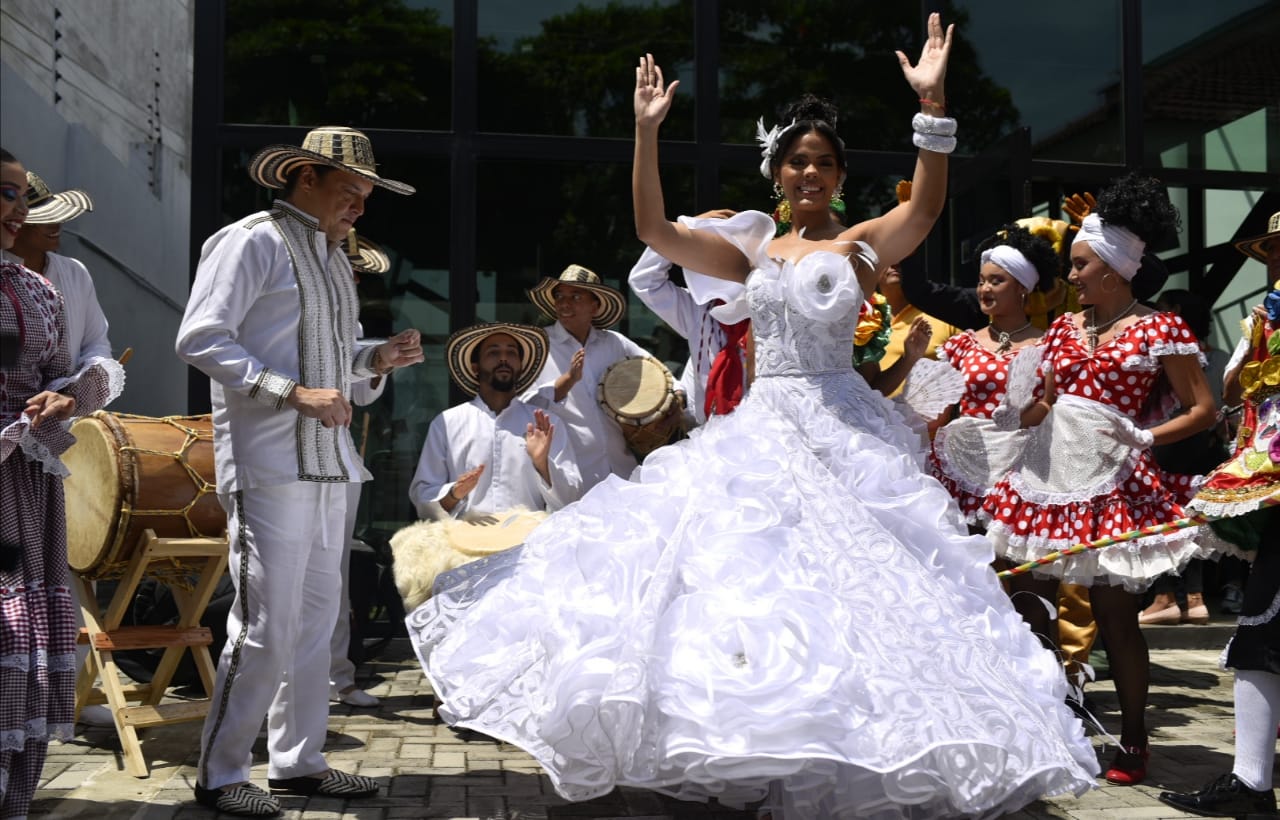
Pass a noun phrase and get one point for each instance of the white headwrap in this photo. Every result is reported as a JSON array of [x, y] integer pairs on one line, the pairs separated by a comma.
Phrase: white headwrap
[[1119, 247], [1011, 259]]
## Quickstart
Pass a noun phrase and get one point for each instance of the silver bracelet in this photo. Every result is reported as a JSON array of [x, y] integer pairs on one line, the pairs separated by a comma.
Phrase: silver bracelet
[[922, 123], [933, 142]]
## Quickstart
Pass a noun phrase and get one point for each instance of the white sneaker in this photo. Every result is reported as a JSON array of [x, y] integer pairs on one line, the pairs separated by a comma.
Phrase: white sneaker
[[356, 696], [96, 715]]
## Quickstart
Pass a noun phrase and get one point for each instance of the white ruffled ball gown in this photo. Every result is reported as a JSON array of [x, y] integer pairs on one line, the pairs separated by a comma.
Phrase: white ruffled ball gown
[[784, 607]]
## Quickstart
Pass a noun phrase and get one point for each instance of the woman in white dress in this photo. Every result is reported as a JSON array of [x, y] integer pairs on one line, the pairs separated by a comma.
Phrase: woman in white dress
[[785, 607]]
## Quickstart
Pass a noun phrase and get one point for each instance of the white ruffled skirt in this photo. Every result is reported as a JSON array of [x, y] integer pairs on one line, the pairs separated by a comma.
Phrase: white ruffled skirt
[[782, 608]]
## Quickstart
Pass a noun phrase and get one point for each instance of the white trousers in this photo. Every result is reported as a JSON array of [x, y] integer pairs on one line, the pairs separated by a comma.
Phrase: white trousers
[[342, 672], [286, 544]]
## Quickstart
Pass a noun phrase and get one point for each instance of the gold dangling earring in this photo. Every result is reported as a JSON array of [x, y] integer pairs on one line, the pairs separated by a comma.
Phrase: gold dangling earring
[[783, 209], [837, 195]]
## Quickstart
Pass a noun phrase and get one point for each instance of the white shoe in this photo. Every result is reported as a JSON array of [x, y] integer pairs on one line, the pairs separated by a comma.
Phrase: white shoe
[[96, 715], [356, 696]]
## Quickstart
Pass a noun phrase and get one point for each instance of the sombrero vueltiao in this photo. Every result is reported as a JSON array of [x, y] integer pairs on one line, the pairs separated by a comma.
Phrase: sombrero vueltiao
[[612, 302], [47, 208], [1255, 247], [457, 353], [332, 145], [365, 256]]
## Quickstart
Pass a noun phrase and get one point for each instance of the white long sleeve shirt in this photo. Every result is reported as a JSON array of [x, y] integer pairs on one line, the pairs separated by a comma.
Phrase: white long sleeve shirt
[[650, 280], [243, 328], [468, 435], [86, 323], [597, 438]]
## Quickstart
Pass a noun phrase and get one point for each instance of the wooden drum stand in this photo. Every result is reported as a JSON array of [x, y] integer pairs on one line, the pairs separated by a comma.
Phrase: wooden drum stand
[[141, 504]]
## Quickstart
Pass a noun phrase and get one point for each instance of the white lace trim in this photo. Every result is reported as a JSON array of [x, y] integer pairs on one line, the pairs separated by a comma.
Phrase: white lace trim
[[1047, 498], [61, 662], [1266, 617], [1226, 509], [35, 450], [1151, 361], [1131, 564], [15, 740]]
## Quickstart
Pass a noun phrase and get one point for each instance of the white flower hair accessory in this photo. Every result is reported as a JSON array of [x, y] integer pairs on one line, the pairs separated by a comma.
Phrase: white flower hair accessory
[[769, 143]]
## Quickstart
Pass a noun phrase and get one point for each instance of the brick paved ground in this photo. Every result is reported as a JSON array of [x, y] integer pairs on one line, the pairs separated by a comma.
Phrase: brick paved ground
[[428, 771]]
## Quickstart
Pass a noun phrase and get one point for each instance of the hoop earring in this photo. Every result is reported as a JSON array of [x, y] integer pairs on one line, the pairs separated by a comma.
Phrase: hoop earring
[[1104, 279]]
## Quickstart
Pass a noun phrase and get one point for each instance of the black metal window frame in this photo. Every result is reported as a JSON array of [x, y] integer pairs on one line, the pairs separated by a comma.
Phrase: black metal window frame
[[1210, 268]]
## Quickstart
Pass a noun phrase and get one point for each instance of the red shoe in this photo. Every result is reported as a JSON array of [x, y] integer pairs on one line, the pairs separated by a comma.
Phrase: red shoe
[[1129, 766]]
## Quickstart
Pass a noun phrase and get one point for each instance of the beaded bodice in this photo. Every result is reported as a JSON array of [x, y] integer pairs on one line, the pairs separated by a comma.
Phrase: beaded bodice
[[804, 314]]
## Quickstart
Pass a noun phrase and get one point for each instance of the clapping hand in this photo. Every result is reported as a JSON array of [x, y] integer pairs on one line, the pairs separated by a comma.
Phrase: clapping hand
[[466, 483], [653, 99], [537, 437], [927, 75]]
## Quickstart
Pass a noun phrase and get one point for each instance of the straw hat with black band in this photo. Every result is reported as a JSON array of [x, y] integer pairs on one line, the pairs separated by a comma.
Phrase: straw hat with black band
[[336, 146], [47, 208], [612, 303], [1256, 246], [365, 256], [460, 346]]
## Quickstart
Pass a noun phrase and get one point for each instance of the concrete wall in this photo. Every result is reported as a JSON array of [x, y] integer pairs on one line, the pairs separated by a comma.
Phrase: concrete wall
[[96, 94]]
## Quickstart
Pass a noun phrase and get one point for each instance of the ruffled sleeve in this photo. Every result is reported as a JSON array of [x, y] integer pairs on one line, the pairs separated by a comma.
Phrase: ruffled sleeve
[[952, 351], [749, 232], [1163, 334]]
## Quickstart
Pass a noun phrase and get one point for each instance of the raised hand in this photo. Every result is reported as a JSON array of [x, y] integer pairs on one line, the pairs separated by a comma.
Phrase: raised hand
[[466, 483], [401, 350], [1078, 206], [537, 440], [918, 338], [653, 98], [927, 75]]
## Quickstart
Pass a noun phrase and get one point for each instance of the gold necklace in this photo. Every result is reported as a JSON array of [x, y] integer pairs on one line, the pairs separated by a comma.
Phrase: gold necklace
[[1092, 331], [1005, 337]]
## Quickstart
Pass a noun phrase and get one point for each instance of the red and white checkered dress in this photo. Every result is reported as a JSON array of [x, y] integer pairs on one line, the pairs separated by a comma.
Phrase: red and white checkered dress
[[37, 641]]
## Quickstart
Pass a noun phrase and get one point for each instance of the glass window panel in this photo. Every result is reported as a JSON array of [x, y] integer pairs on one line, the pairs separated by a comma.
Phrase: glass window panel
[[374, 64], [772, 53], [1209, 83], [566, 66], [1060, 70], [541, 217]]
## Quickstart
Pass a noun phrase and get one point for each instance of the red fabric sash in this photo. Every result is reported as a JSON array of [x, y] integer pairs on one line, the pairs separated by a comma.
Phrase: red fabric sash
[[725, 381]]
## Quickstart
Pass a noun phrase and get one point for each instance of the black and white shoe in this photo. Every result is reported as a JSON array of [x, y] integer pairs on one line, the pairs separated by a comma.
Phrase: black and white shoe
[[334, 784], [243, 800]]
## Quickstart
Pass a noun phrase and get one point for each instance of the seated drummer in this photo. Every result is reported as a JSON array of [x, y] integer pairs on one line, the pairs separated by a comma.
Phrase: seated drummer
[[582, 349], [495, 453]]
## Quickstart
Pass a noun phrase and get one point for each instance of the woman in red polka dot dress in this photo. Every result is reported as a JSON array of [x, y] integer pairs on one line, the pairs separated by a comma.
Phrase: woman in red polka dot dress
[[973, 452], [1086, 471]]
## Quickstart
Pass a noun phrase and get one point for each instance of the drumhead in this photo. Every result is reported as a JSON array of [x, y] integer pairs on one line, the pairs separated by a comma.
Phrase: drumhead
[[93, 492], [638, 388]]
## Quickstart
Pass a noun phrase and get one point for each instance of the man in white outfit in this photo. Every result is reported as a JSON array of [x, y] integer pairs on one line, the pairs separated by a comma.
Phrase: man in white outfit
[[581, 350], [494, 453], [366, 258], [272, 320]]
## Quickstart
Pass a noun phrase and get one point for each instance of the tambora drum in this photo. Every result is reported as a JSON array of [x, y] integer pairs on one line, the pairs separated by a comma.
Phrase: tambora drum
[[134, 473], [638, 393]]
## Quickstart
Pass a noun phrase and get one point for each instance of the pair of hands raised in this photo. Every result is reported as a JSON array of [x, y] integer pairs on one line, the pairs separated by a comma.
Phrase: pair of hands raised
[[653, 96]]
